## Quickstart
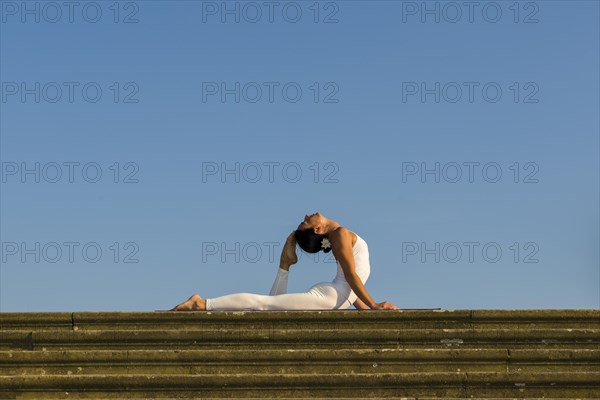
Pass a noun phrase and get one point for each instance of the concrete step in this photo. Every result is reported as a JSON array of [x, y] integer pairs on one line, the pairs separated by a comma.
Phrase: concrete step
[[178, 395], [324, 337], [457, 384], [210, 361], [414, 354], [331, 319]]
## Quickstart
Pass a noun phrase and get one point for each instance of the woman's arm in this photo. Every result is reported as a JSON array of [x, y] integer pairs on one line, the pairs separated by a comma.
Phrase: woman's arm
[[360, 305], [359, 289], [341, 245]]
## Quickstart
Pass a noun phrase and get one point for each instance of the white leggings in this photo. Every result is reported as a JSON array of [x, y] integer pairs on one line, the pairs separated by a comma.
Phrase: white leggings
[[321, 296]]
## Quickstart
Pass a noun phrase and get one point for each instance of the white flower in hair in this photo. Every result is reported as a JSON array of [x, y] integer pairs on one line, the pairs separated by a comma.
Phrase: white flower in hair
[[325, 243]]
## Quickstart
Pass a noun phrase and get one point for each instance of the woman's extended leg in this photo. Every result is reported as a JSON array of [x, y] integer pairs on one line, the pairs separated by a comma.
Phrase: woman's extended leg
[[322, 296], [197, 303]]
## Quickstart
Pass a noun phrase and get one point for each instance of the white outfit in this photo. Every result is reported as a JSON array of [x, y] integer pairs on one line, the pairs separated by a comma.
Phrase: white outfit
[[333, 295]]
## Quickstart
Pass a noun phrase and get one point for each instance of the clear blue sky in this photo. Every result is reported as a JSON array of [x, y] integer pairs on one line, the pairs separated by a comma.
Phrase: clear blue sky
[[391, 100]]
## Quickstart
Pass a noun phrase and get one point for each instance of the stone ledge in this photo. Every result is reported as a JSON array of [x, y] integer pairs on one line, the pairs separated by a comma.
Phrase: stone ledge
[[411, 354], [8, 319], [147, 381], [165, 357]]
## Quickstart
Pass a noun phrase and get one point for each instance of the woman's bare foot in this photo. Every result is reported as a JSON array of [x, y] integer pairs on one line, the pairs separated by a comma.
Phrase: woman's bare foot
[[194, 303], [288, 254]]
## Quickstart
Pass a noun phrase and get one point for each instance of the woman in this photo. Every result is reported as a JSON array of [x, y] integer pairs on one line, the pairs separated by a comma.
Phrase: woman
[[314, 234]]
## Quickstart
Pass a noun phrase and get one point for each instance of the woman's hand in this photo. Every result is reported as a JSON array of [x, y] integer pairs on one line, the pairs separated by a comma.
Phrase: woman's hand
[[288, 254], [384, 305]]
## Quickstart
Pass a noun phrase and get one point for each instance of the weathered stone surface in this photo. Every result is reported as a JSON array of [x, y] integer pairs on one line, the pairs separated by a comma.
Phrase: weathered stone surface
[[410, 354]]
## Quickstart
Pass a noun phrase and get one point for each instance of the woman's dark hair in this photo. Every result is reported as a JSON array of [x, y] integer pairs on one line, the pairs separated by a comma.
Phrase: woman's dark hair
[[309, 241]]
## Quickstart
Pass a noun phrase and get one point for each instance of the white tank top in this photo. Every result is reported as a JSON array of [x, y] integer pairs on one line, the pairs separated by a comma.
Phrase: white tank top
[[361, 262]]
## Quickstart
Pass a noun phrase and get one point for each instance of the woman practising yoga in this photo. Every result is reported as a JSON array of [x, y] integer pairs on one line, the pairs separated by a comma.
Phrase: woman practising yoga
[[314, 234]]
